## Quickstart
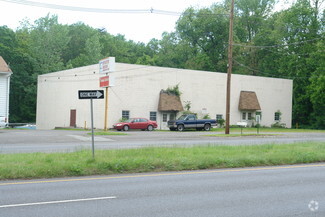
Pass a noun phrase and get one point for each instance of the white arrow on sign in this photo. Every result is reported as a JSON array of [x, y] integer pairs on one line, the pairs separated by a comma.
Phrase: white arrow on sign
[[98, 94]]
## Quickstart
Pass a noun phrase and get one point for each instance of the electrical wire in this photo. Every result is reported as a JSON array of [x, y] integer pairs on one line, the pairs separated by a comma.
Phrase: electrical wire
[[278, 45], [73, 8], [269, 74], [98, 10]]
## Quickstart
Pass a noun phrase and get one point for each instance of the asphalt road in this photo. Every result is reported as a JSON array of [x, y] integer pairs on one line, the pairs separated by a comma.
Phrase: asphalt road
[[23, 141], [283, 191]]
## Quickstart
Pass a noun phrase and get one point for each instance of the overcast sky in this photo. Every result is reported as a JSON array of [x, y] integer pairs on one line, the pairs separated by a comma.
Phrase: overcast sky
[[135, 26]]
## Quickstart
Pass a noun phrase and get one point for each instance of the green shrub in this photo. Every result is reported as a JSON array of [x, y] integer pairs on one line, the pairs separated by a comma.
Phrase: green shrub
[[278, 125]]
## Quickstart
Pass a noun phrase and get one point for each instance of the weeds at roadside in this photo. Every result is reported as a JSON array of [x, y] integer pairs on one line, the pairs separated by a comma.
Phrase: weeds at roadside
[[156, 159]]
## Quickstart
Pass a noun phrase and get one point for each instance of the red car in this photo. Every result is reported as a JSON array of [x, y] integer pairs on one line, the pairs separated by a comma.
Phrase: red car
[[136, 123]]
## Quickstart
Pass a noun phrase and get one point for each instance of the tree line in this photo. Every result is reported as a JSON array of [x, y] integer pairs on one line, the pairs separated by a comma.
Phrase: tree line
[[282, 44]]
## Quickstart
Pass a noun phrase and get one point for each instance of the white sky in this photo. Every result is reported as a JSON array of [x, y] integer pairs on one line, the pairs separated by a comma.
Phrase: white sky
[[137, 27]]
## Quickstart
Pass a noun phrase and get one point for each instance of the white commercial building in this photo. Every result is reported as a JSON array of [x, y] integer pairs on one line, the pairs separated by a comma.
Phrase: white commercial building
[[5, 73], [135, 91]]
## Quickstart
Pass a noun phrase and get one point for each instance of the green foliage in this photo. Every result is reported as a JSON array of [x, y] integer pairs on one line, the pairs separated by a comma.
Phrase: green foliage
[[156, 159], [122, 119], [252, 14], [187, 105], [221, 122], [206, 32], [278, 125], [108, 133], [207, 116], [48, 40], [174, 90]]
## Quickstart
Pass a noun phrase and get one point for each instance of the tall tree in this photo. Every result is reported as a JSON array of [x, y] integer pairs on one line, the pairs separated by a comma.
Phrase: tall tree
[[48, 40], [23, 85], [91, 54], [78, 33], [206, 30], [299, 30], [251, 15]]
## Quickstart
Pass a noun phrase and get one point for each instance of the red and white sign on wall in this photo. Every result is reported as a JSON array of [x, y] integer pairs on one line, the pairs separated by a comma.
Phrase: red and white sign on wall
[[104, 81], [107, 65]]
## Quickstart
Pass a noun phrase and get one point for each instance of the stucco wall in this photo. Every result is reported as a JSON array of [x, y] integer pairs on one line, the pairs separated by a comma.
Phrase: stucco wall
[[137, 90]]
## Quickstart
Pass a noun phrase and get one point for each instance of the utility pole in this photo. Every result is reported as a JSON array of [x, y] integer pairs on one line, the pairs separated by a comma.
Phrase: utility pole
[[229, 66]]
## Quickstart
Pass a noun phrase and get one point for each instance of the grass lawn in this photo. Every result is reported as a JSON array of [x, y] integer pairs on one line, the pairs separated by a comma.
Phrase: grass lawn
[[108, 133], [267, 130], [156, 159], [239, 135]]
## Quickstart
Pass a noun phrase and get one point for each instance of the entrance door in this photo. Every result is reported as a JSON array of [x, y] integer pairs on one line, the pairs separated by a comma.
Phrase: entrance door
[[73, 117], [165, 117]]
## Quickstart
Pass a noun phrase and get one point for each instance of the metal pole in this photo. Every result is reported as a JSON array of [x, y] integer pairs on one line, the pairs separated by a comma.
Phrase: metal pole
[[106, 109], [92, 127], [229, 66]]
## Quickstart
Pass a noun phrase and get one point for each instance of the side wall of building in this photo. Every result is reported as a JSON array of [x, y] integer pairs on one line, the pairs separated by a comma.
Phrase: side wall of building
[[137, 90], [4, 95]]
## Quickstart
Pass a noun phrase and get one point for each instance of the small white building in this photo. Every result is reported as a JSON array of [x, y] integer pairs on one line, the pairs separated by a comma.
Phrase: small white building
[[5, 73], [136, 92]]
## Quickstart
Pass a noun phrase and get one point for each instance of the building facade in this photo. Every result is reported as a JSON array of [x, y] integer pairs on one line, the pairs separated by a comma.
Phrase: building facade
[[136, 92], [5, 73]]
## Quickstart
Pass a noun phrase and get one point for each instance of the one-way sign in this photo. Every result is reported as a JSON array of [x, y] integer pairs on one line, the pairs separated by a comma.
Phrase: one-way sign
[[91, 94]]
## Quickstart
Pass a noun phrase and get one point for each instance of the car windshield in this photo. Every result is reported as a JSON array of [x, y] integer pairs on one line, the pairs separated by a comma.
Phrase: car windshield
[[182, 117]]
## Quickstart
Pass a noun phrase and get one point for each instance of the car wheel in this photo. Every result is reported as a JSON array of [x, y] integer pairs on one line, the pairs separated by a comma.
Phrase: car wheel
[[126, 128], [150, 128], [180, 127], [207, 127]]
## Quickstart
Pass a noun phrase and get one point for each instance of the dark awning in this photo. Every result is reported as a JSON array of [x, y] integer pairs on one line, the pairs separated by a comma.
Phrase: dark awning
[[248, 101], [169, 102]]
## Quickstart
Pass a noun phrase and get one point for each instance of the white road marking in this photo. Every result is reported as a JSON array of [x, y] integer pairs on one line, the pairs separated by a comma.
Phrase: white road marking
[[87, 139], [57, 202]]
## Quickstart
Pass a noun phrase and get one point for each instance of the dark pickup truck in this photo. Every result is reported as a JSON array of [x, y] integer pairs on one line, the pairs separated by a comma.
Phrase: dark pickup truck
[[190, 121]]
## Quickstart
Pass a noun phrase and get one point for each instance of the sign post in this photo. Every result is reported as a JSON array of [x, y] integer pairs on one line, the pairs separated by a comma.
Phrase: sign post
[[106, 109], [104, 82], [92, 127], [91, 94], [106, 66]]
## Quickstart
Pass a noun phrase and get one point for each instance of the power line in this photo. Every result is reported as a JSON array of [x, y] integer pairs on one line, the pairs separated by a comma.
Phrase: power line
[[269, 74], [102, 10], [73, 8], [278, 45]]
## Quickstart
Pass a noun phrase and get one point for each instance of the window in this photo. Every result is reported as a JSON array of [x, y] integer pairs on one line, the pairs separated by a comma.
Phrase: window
[[249, 116], [219, 117], [172, 117], [153, 116], [125, 115], [243, 116], [191, 118], [277, 116], [165, 117]]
